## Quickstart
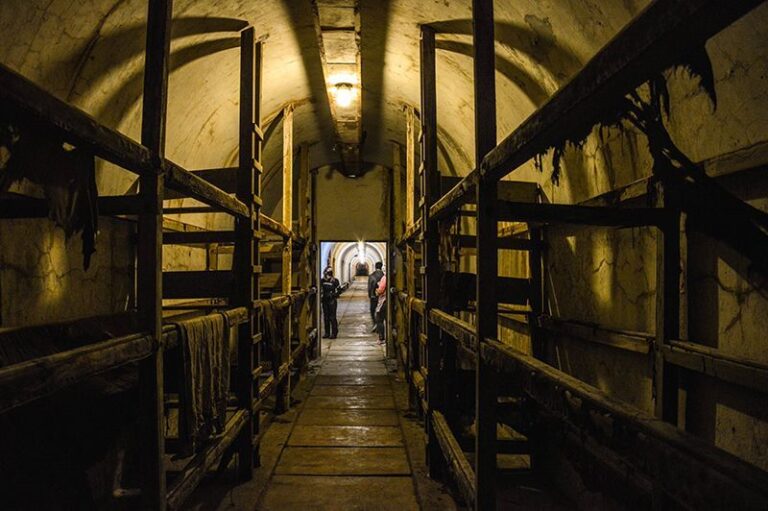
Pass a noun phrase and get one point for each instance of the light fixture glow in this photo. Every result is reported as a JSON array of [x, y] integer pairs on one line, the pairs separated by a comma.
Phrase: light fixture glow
[[344, 94]]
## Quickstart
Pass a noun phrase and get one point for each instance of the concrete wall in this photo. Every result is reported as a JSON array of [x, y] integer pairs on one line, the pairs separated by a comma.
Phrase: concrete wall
[[42, 277], [353, 209]]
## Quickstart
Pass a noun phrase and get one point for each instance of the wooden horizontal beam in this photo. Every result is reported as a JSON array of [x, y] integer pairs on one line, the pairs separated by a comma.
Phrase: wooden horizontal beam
[[191, 185], [504, 243], [660, 36], [458, 464], [297, 352], [410, 232], [77, 127], [657, 38], [638, 342], [712, 479], [751, 159], [267, 386], [282, 301], [197, 284], [453, 199], [198, 237], [28, 207], [716, 364], [269, 224], [74, 125], [34, 379], [28, 381], [460, 330], [509, 289], [224, 179], [185, 483], [190, 210], [237, 315], [579, 215], [516, 191]]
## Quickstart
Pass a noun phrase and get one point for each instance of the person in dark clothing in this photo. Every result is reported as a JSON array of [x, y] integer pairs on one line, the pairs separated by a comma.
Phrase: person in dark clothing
[[330, 291], [373, 283]]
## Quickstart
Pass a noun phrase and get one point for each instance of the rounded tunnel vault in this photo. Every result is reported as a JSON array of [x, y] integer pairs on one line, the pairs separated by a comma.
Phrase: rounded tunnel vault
[[343, 255], [99, 67]]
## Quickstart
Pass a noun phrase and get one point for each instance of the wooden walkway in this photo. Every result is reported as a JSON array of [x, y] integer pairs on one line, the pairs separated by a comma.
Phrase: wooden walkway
[[346, 448]]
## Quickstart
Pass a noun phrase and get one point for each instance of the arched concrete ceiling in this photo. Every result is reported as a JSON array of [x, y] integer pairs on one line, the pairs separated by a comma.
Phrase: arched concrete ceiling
[[91, 53], [346, 252]]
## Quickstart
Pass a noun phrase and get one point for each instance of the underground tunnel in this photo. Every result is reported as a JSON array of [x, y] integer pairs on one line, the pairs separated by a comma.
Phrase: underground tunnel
[[383, 255]]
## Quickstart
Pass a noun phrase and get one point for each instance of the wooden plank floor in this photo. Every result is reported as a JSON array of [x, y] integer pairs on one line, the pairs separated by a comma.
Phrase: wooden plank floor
[[346, 449]]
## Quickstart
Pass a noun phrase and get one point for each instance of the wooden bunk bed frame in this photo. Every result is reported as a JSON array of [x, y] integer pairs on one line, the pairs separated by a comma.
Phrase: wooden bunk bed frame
[[646, 457], [239, 292]]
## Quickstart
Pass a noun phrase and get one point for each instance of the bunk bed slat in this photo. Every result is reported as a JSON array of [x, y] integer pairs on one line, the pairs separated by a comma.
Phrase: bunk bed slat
[[34, 379]]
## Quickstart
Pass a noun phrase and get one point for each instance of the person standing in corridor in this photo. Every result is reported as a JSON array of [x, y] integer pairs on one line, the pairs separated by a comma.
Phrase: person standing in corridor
[[381, 309], [328, 298], [373, 283]]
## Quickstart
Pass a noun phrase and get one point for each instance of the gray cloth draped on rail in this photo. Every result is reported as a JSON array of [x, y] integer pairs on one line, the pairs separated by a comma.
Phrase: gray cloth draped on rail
[[274, 321], [205, 356]]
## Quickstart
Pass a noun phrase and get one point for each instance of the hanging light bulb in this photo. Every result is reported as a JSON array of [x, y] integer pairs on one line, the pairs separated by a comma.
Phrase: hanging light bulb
[[345, 94]]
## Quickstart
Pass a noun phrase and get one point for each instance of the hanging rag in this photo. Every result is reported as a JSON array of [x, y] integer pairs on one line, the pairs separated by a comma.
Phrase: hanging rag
[[205, 357], [67, 175], [274, 321]]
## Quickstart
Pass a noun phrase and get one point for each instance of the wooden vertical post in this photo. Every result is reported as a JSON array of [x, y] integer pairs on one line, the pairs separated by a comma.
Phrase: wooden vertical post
[[397, 192], [410, 201], [667, 301], [305, 270], [246, 247], [410, 166], [283, 395], [395, 265], [313, 264], [287, 194], [258, 144], [538, 348], [487, 251], [412, 341], [150, 250], [430, 245]]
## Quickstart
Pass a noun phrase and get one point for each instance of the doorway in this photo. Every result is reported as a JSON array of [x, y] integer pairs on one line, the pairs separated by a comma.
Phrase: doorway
[[353, 262]]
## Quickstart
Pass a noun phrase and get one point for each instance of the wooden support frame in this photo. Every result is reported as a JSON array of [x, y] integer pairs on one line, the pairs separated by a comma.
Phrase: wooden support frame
[[307, 275], [150, 255], [715, 364], [156, 173], [713, 479], [246, 258], [580, 215], [28, 381], [487, 217], [430, 187], [665, 376], [657, 38], [72, 123], [456, 459], [191, 476], [410, 166], [283, 391]]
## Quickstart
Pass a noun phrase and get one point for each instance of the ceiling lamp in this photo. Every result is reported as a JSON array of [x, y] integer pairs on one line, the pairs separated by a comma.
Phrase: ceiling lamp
[[344, 94]]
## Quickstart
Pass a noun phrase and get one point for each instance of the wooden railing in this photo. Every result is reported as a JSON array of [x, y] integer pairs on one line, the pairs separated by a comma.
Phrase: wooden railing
[[237, 290], [431, 341]]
